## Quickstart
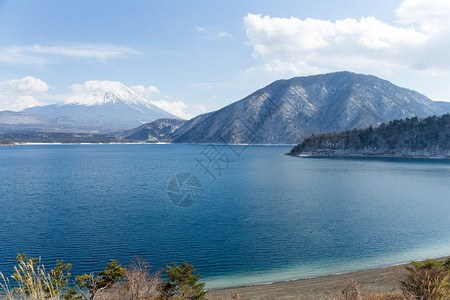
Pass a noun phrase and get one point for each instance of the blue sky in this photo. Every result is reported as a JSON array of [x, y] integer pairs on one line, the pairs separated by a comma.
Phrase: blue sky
[[195, 56]]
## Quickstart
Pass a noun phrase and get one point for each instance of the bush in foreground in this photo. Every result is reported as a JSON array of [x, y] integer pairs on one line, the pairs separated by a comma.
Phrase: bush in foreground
[[139, 283], [427, 280], [182, 283], [31, 281]]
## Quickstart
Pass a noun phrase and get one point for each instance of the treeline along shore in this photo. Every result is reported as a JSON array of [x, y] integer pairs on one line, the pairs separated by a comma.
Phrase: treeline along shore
[[410, 138]]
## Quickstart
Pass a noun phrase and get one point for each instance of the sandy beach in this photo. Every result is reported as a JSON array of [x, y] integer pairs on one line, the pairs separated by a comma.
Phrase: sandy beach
[[372, 281]]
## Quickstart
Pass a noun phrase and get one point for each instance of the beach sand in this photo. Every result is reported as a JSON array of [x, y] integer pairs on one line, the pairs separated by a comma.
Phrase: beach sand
[[373, 281]]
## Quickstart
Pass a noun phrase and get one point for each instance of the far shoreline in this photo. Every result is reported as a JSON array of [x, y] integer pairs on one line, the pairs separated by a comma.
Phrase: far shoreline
[[141, 143], [318, 156], [358, 156]]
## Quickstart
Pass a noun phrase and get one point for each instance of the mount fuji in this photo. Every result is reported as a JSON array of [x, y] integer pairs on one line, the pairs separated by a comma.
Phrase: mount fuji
[[107, 106]]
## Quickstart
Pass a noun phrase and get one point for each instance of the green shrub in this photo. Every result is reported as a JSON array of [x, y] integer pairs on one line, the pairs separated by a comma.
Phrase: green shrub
[[182, 283], [98, 283], [427, 280]]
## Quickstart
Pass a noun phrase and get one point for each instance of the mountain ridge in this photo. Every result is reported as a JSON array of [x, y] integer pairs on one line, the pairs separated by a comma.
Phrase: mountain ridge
[[283, 112], [287, 110], [160, 130], [13, 121]]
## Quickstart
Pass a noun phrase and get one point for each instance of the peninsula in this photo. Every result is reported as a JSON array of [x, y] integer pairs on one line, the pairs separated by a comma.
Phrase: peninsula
[[409, 138]]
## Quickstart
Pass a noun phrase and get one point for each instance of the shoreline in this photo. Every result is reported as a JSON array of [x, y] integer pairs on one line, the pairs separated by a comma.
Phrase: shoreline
[[139, 143], [356, 156], [373, 281], [344, 156], [82, 143]]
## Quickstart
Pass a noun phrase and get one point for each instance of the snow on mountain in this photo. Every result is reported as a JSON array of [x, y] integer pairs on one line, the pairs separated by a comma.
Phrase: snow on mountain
[[286, 111], [14, 118], [13, 121], [101, 105], [160, 130], [96, 92]]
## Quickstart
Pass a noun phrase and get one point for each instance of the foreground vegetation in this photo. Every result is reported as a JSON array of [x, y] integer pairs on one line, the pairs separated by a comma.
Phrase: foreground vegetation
[[31, 281], [427, 280]]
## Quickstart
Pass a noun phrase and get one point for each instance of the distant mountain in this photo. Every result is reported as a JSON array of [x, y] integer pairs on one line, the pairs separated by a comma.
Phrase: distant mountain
[[14, 121], [286, 111], [444, 105], [116, 108], [413, 137], [161, 130]]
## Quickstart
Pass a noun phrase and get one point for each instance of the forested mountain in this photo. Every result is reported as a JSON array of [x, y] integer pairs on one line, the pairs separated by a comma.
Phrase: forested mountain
[[161, 130], [411, 137], [287, 111]]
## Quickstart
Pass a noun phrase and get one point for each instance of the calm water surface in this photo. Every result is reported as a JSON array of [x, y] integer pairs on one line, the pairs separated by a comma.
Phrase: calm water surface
[[261, 216]]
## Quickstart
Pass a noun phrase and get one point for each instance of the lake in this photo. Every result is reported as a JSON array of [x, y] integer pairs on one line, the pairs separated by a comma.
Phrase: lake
[[240, 214]]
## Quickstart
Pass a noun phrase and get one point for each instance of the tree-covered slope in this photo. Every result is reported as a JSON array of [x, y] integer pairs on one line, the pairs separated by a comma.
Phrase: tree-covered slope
[[411, 137], [287, 111], [160, 130]]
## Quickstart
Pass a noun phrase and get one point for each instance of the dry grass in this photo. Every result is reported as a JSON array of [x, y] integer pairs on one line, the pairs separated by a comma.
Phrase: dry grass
[[353, 290], [426, 280], [139, 283], [397, 295], [33, 283], [6, 287]]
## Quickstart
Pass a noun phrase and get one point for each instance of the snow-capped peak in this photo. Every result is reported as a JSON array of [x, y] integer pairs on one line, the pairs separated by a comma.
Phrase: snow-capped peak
[[97, 92]]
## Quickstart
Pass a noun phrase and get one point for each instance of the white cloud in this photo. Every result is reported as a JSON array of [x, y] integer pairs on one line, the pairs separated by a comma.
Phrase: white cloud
[[176, 108], [418, 41], [224, 34], [18, 94], [93, 86], [145, 92], [201, 29], [24, 101], [201, 109], [25, 85], [431, 16], [99, 87], [38, 54], [212, 34]]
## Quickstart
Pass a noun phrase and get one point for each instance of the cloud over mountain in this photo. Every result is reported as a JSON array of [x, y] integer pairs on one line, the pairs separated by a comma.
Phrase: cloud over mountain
[[176, 108], [415, 42], [143, 91], [17, 94]]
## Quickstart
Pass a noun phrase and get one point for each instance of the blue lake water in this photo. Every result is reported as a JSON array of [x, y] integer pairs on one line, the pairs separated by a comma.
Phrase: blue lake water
[[259, 217]]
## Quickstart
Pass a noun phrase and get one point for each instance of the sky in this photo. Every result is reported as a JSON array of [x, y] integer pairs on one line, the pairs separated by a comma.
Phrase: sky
[[191, 57]]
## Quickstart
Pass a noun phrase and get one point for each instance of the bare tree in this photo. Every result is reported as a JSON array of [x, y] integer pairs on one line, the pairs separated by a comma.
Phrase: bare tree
[[139, 283]]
